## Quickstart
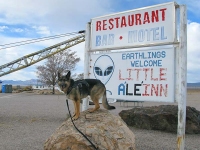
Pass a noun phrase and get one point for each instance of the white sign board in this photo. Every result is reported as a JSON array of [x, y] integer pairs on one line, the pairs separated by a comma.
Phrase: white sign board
[[136, 75], [149, 25], [141, 75]]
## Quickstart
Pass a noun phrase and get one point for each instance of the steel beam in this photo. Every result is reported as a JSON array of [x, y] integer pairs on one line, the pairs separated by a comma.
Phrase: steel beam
[[33, 58]]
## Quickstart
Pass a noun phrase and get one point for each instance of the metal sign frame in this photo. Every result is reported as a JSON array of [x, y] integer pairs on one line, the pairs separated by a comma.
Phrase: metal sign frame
[[180, 65]]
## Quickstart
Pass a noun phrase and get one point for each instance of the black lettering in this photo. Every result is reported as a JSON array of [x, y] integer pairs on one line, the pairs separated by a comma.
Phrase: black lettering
[[127, 90], [136, 89]]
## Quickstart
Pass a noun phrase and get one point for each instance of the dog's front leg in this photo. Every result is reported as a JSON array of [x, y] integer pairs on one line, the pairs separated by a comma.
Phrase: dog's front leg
[[77, 109]]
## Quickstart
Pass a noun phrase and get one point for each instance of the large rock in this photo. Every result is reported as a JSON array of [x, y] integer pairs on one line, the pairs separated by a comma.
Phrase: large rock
[[106, 131], [163, 117]]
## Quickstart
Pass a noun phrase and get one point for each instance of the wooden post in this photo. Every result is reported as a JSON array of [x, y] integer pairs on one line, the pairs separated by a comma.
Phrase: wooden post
[[85, 103], [182, 79]]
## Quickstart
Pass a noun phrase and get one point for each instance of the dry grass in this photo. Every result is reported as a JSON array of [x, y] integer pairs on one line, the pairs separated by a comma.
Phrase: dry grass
[[28, 89], [193, 91]]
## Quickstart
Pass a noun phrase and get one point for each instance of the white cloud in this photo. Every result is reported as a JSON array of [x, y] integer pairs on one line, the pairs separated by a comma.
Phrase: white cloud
[[2, 28], [193, 40], [23, 75], [61, 16], [18, 30], [42, 30]]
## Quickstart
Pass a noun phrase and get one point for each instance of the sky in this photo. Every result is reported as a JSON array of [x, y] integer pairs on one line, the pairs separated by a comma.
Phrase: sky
[[26, 19]]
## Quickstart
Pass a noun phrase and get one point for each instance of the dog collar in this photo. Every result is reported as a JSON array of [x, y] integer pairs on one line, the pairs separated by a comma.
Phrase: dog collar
[[70, 86]]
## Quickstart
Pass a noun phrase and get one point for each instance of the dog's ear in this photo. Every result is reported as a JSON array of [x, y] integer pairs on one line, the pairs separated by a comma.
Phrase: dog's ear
[[68, 75]]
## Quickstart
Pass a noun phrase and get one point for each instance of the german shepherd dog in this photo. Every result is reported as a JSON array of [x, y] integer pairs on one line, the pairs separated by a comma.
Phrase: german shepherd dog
[[77, 90]]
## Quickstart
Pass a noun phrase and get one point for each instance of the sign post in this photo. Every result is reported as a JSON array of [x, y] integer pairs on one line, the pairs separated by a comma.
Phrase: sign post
[[182, 78], [85, 102]]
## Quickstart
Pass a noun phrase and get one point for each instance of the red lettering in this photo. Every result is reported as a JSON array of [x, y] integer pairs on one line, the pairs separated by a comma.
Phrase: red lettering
[[129, 74], [130, 20], [155, 16], [104, 25], [145, 90], [155, 89], [163, 90], [146, 18], [117, 22], [163, 13], [162, 74], [123, 22], [98, 26], [154, 79], [120, 75], [111, 23], [138, 19], [145, 71], [138, 70]]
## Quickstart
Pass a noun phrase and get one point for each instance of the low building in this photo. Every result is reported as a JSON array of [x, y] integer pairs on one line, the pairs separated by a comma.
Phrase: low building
[[0, 86], [41, 87]]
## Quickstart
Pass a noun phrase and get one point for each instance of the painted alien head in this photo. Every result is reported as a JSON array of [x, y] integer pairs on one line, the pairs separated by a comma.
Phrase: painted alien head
[[103, 68]]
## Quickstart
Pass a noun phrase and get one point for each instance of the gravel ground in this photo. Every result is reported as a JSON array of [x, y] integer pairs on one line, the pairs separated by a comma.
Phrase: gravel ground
[[27, 120]]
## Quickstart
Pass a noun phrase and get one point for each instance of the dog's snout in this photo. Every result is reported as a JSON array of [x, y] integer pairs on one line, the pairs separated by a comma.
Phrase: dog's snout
[[63, 85]]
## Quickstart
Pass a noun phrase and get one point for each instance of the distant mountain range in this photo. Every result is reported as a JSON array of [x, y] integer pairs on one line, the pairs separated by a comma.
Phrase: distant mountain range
[[22, 83], [35, 82], [194, 84]]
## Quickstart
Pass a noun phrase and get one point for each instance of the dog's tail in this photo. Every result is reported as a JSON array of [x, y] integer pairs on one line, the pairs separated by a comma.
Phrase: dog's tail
[[105, 102]]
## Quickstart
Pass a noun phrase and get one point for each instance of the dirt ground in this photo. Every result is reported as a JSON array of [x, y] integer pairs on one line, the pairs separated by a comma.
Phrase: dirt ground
[[193, 98], [28, 119]]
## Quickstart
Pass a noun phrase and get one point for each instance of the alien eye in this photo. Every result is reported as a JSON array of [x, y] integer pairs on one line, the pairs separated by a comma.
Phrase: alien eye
[[98, 71], [108, 70]]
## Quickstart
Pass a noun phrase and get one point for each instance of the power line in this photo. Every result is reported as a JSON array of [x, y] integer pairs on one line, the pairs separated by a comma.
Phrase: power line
[[15, 44], [38, 38], [31, 41]]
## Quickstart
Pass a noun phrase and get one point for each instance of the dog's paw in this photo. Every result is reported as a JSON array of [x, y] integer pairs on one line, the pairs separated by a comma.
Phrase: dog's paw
[[91, 110], [74, 114], [75, 117]]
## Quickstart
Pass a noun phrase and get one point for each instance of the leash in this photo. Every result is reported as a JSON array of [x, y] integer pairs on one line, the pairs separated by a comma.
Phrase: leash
[[78, 129]]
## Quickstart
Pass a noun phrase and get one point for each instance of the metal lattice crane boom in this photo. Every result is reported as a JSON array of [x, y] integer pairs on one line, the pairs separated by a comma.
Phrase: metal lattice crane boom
[[33, 58]]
